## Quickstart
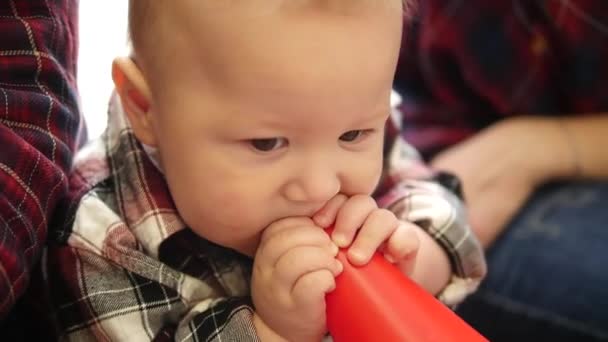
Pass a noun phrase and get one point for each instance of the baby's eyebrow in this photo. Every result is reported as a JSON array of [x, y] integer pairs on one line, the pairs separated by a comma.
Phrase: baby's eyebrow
[[382, 114]]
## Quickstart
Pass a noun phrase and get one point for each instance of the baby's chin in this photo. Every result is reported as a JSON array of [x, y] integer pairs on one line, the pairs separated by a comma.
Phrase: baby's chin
[[248, 250], [232, 235], [248, 246]]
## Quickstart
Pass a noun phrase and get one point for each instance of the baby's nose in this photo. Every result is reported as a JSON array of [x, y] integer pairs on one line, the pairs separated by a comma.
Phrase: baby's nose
[[313, 187]]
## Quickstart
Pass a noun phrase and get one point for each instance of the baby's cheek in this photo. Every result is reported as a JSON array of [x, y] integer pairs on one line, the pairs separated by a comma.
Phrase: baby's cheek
[[361, 175], [369, 177]]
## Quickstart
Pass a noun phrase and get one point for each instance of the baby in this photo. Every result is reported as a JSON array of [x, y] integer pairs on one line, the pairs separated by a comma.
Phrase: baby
[[240, 130]]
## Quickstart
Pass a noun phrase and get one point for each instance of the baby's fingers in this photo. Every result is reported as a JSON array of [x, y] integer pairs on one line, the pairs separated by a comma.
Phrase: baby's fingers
[[376, 230], [352, 216], [310, 289], [302, 260], [402, 247], [327, 215], [284, 241]]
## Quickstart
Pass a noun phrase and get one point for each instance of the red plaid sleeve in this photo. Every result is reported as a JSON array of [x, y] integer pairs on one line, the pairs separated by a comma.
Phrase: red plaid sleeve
[[467, 64], [40, 128]]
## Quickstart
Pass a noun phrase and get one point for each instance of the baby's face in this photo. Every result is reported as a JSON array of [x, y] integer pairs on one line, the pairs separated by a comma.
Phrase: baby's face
[[274, 115]]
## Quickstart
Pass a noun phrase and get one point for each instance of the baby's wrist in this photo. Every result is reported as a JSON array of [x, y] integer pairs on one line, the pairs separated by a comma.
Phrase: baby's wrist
[[432, 268], [265, 333]]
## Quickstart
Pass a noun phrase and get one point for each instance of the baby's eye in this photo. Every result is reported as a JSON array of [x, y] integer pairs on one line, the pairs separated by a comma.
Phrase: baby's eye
[[351, 136], [267, 145]]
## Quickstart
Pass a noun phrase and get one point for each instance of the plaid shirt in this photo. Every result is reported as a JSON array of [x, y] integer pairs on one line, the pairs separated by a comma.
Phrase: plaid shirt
[[467, 64], [40, 128], [125, 266]]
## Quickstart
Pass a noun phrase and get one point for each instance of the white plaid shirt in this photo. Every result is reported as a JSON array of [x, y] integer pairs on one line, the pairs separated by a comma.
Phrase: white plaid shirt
[[123, 265]]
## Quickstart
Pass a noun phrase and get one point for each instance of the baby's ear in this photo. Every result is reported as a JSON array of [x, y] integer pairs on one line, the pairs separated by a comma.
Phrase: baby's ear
[[135, 98]]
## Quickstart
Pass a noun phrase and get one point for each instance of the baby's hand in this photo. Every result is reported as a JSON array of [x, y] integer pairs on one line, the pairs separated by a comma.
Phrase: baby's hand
[[294, 267], [358, 218]]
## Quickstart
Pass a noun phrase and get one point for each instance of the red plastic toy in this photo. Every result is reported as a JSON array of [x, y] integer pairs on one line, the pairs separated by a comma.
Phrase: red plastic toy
[[377, 302]]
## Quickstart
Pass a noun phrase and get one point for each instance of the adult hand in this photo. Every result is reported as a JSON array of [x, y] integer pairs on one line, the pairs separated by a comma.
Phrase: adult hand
[[501, 166]]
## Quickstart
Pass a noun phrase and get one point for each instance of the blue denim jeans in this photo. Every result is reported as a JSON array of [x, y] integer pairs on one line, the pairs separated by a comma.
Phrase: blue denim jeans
[[548, 273]]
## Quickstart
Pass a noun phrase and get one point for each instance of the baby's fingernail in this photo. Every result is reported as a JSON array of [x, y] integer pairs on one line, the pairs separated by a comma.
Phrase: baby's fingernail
[[358, 257], [339, 267], [321, 220], [334, 249], [389, 258], [340, 240]]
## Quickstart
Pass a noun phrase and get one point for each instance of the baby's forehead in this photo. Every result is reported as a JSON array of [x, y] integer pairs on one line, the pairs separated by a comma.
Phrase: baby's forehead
[[195, 35], [146, 16]]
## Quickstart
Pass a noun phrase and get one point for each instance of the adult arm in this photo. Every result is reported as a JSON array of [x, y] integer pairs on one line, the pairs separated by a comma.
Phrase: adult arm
[[470, 89], [40, 128], [516, 156]]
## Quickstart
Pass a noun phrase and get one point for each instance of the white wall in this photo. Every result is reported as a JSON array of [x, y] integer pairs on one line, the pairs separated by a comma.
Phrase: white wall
[[103, 35]]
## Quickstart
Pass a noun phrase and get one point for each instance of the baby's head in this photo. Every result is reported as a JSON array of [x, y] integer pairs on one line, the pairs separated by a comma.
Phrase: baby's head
[[260, 109]]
